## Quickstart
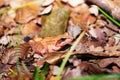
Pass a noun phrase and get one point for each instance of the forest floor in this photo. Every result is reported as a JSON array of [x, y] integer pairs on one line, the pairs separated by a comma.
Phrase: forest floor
[[59, 39]]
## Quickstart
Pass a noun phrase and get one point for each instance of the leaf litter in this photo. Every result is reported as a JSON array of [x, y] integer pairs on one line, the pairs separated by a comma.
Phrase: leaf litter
[[43, 32]]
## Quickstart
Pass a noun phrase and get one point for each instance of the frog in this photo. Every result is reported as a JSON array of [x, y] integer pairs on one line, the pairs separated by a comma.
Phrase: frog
[[52, 44]]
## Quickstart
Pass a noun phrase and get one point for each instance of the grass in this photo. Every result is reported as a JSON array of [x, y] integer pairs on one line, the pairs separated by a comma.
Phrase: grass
[[109, 17], [16, 53], [100, 77], [68, 54]]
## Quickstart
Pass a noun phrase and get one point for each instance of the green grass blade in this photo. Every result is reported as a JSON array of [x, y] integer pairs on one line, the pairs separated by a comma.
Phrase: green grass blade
[[44, 72], [40, 76], [25, 68], [68, 55], [100, 77], [13, 72], [109, 17], [36, 74]]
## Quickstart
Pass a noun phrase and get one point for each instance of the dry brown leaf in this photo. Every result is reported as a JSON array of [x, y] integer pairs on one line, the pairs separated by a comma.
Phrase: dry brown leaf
[[90, 68], [84, 68], [15, 39], [112, 50], [7, 21], [1, 2], [82, 16], [116, 69], [12, 31], [1, 30], [46, 10], [74, 30], [11, 55], [24, 15], [51, 59], [99, 34], [72, 73], [30, 28], [107, 61], [111, 7], [5, 40]]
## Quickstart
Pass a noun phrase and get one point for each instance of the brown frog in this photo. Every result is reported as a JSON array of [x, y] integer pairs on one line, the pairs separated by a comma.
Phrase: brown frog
[[46, 45]]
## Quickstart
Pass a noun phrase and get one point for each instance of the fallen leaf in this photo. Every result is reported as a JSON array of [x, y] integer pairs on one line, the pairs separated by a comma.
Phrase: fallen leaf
[[30, 28], [84, 68], [51, 59], [53, 25], [16, 3], [112, 50], [1, 30], [13, 54], [4, 40], [72, 73], [116, 69], [47, 2], [14, 40], [107, 61], [25, 14], [93, 32], [46, 10], [65, 1], [81, 16], [117, 39], [90, 68], [94, 10], [7, 21], [1, 2], [75, 3], [74, 30]]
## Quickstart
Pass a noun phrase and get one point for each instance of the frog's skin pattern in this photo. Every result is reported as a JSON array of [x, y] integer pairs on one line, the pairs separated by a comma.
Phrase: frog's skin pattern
[[47, 45]]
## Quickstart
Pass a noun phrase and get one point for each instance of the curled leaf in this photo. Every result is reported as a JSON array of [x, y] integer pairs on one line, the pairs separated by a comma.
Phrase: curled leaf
[[46, 10], [25, 14], [12, 54]]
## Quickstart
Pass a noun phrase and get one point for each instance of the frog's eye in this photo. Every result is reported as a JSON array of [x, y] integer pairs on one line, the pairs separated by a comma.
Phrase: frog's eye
[[63, 39], [60, 40]]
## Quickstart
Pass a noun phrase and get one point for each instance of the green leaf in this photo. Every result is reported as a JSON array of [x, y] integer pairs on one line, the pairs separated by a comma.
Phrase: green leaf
[[55, 23], [40, 75], [44, 72], [100, 77], [36, 74]]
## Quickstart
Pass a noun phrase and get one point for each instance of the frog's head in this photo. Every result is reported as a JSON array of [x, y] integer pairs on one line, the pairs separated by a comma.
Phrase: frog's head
[[63, 40]]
